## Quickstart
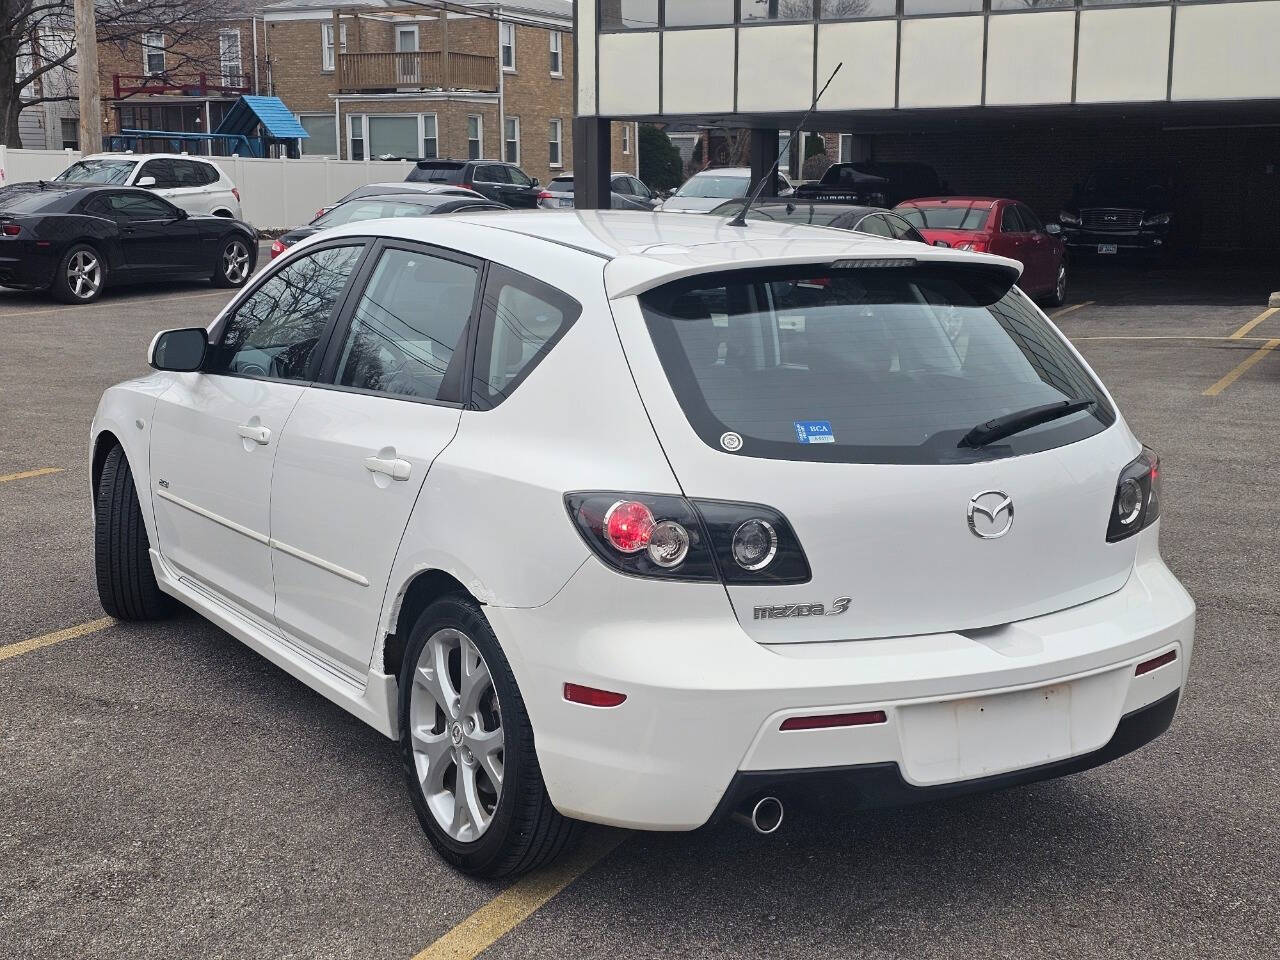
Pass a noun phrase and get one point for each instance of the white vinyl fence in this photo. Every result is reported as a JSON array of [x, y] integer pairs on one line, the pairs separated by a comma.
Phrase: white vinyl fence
[[273, 193]]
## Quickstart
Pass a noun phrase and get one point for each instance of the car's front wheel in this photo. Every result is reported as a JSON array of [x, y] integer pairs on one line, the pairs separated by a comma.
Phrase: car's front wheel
[[467, 748], [121, 551], [1058, 295], [234, 263], [80, 276]]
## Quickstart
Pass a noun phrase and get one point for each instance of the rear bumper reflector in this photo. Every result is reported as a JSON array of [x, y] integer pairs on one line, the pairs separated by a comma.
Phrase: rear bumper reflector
[[1155, 663], [577, 693], [826, 721]]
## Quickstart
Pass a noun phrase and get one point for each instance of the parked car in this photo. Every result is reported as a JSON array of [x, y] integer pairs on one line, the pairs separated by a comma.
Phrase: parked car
[[75, 240], [874, 220], [647, 520], [404, 203], [384, 188], [1000, 226], [195, 184], [502, 182], [627, 193], [1124, 210], [874, 183], [708, 189]]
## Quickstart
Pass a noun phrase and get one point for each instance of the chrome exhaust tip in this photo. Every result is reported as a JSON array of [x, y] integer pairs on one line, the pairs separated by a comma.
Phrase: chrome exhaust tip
[[764, 816]]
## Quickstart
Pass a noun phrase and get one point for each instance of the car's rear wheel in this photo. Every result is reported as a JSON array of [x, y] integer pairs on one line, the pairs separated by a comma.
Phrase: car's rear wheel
[[80, 276], [234, 263], [1058, 296], [121, 551], [467, 748]]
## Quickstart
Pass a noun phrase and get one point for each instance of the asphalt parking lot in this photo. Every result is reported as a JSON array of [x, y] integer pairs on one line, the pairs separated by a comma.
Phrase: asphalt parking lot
[[165, 792]]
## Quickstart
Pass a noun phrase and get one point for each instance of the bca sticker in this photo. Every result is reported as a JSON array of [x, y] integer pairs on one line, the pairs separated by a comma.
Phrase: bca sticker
[[731, 441], [814, 431]]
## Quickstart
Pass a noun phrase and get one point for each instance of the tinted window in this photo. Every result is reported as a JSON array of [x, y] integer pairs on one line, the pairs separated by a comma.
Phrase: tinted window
[[951, 217], [561, 184], [519, 177], [409, 325], [162, 170], [1010, 222], [275, 331], [875, 225], [900, 229], [443, 172], [521, 320], [901, 363], [187, 174], [1029, 220], [492, 173], [136, 206]]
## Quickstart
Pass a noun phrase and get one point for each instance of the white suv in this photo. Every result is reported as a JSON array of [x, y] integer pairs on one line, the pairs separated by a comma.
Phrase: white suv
[[646, 520], [195, 184]]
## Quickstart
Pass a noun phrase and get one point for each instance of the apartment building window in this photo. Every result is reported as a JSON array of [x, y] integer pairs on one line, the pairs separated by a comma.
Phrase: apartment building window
[[430, 137], [322, 134], [153, 54], [70, 133], [507, 39], [511, 144], [229, 58], [626, 138], [326, 45], [355, 136], [557, 64], [846, 147], [475, 137], [555, 144]]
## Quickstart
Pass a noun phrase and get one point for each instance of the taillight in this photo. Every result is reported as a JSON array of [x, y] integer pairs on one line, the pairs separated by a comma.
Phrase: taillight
[[649, 535], [320, 213], [1137, 501], [11, 229], [545, 195], [467, 186], [977, 246], [277, 248], [235, 192]]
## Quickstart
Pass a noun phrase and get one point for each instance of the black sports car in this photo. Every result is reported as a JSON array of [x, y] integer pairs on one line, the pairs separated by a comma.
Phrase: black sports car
[[74, 240]]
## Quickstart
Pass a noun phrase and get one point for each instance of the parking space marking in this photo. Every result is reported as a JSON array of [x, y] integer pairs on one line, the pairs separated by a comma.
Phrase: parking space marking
[[517, 903], [1070, 309], [1239, 334], [1244, 366], [49, 639], [41, 472], [122, 303], [1177, 336]]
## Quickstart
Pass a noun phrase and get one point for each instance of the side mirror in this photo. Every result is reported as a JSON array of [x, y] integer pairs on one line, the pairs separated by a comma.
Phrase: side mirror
[[1053, 229], [536, 182], [941, 243], [179, 351], [145, 182]]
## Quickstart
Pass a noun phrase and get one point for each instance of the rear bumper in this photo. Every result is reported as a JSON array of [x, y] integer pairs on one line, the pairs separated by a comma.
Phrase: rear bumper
[[22, 266]]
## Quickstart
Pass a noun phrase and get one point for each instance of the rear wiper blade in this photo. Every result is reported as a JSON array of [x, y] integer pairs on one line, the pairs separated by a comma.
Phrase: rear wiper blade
[[1020, 420]]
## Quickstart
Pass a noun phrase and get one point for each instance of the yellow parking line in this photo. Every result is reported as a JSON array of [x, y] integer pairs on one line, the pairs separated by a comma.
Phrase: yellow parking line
[[1239, 334], [35, 643], [43, 471], [1245, 364], [1176, 336], [515, 904], [1070, 309]]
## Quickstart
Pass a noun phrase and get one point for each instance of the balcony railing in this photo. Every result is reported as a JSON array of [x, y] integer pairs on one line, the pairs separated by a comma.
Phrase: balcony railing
[[199, 85], [421, 70]]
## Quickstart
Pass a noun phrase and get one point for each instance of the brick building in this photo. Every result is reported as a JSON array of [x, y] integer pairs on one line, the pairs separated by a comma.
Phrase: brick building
[[409, 81]]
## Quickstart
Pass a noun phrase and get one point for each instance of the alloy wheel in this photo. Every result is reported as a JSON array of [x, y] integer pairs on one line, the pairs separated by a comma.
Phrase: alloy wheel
[[1060, 291], [456, 734], [235, 262], [84, 274]]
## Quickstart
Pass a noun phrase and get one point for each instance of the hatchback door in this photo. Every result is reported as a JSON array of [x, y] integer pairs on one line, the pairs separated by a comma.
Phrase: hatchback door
[[359, 445], [215, 434], [843, 398]]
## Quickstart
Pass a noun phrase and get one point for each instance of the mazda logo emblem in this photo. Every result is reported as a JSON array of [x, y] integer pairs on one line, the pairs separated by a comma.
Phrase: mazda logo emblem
[[990, 514]]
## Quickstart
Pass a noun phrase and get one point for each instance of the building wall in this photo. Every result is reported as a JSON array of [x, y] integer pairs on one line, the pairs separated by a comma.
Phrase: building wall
[[451, 119], [535, 97]]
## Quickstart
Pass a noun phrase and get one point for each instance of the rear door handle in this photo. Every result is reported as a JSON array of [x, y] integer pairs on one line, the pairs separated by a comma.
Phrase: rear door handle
[[391, 467], [258, 434]]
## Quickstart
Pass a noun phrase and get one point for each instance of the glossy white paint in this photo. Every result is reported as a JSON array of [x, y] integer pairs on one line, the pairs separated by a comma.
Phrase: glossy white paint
[[868, 50], [779, 67], [941, 62], [629, 73], [697, 71], [1123, 56], [275, 542], [217, 197], [1029, 59], [1227, 52]]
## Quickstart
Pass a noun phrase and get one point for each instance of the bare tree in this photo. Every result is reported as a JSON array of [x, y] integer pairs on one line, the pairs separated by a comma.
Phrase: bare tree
[[37, 44], [845, 9]]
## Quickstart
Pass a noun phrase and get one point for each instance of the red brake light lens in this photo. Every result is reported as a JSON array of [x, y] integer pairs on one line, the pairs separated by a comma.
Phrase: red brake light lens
[[628, 526], [12, 229], [277, 248], [235, 192], [591, 696]]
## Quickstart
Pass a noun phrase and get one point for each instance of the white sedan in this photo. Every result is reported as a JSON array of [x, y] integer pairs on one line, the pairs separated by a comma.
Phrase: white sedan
[[650, 520]]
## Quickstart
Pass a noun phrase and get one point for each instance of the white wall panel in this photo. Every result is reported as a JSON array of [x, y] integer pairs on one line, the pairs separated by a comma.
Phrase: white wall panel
[[1227, 51], [628, 74], [1029, 58], [585, 57], [697, 71], [777, 69], [941, 62], [1124, 55], [867, 48]]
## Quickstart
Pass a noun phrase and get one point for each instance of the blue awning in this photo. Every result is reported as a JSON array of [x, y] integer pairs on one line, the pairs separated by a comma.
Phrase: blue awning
[[277, 120]]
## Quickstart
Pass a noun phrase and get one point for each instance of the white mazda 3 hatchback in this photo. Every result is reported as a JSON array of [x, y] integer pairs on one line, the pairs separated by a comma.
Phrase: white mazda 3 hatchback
[[650, 520]]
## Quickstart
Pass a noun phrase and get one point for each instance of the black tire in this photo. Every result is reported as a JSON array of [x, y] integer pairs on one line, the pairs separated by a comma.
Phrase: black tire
[[126, 582], [223, 273], [1058, 295], [63, 287], [526, 831]]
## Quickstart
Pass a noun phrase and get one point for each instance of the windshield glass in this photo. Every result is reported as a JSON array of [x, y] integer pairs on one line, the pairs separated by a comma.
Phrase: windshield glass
[[356, 210], [561, 185], [865, 365], [710, 185], [97, 171], [948, 217]]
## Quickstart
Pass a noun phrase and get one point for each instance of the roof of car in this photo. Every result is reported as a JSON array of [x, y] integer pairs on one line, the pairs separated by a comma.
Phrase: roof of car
[[951, 201], [648, 249], [144, 156], [724, 172]]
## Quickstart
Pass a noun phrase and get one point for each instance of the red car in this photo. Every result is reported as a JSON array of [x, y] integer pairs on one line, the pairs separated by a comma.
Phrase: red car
[[1004, 227]]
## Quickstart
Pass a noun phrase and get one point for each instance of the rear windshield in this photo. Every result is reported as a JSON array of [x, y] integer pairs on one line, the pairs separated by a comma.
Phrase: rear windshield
[[709, 185], [949, 217], [864, 365], [432, 172], [561, 184], [374, 208], [97, 171]]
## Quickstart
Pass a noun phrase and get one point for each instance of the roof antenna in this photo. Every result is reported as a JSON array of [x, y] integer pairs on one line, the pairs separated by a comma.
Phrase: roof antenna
[[741, 219]]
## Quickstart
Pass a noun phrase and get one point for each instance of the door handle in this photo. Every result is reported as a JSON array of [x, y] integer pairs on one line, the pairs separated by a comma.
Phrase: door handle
[[258, 434], [391, 467]]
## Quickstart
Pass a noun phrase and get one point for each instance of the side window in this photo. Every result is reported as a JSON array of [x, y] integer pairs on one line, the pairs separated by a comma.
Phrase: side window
[[876, 226], [1010, 222], [495, 173], [1029, 220], [162, 170], [519, 177], [185, 174], [639, 189], [900, 229], [521, 321], [138, 205], [410, 327], [275, 331]]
